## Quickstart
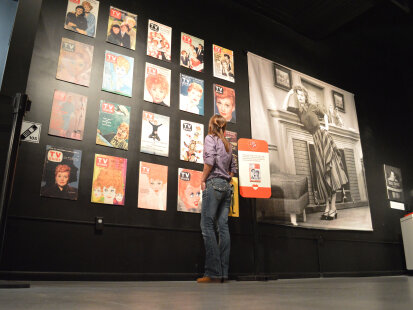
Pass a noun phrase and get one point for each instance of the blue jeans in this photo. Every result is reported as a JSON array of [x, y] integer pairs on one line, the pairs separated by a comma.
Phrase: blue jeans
[[216, 199]]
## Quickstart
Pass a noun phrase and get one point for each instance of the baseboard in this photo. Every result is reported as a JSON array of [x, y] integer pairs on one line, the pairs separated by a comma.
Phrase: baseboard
[[374, 273], [95, 276], [102, 276]]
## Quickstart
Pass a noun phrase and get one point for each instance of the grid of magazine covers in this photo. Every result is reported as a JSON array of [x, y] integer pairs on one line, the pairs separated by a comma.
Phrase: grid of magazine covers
[[68, 111]]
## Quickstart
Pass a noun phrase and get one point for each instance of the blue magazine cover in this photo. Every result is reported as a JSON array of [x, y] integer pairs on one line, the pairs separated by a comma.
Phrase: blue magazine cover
[[118, 74]]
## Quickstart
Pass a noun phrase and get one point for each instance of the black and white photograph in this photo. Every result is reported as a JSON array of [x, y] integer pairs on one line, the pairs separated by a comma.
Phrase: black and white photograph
[[338, 101], [282, 77], [394, 184], [317, 173]]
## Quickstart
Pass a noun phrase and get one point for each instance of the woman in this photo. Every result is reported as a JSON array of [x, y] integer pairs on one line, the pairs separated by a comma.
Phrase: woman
[[90, 19], [219, 168], [194, 62], [114, 34], [76, 20], [330, 174], [61, 187], [125, 38]]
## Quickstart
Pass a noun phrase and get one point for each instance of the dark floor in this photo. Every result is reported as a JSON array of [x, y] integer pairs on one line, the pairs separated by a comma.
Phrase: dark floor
[[331, 294]]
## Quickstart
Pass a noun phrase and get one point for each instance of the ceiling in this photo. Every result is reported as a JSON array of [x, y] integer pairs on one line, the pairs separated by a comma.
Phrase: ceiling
[[318, 19]]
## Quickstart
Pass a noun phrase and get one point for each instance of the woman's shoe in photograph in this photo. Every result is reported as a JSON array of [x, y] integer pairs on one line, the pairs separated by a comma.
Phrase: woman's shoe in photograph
[[324, 216], [332, 215]]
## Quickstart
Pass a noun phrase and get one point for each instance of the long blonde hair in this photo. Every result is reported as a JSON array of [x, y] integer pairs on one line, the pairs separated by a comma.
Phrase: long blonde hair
[[216, 127]]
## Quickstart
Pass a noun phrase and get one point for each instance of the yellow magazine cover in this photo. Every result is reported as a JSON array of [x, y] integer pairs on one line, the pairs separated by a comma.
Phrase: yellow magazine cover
[[234, 207]]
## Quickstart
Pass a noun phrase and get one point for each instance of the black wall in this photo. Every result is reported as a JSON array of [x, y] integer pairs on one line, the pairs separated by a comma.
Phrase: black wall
[[53, 238]]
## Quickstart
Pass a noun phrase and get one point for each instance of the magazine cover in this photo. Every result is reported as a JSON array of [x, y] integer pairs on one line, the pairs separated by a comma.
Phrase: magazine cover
[[189, 190], [153, 183], [109, 180], [113, 125], [155, 134], [122, 28], [223, 63], [234, 207], [82, 16], [255, 173], [394, 183], [192, 52], [75, 62], [159, 41], [67, 119], [232, 138], [192, 142], [224, 102], [61, 173], [157, 84], [191, 98], [118, 74]]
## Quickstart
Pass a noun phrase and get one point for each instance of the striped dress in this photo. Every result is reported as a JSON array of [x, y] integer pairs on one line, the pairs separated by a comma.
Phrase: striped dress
[[330, 174]]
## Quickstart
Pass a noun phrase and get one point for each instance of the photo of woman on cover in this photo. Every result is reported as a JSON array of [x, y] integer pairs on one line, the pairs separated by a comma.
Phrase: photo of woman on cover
[[82, 18], [192, 52], [122, 28], [61, 187], [61, 173]]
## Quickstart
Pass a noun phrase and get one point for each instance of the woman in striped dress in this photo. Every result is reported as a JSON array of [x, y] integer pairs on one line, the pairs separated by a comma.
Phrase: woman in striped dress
[[330, 174]]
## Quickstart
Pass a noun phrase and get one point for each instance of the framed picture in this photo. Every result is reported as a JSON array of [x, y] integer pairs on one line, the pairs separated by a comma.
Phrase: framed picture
[[338, 100], [394, 183], [282, 77]]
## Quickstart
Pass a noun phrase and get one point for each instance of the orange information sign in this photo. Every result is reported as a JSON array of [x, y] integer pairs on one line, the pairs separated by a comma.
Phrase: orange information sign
[[254, 168]]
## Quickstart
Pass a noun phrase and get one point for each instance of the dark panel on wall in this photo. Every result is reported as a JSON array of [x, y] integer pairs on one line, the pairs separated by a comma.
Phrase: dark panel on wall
[[54, 235]]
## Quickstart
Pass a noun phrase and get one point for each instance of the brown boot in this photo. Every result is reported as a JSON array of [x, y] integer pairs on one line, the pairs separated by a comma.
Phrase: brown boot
[[208, 280]]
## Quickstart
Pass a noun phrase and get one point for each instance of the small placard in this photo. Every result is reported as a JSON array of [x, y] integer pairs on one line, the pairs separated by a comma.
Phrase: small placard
[[397, 205], [30, 132]]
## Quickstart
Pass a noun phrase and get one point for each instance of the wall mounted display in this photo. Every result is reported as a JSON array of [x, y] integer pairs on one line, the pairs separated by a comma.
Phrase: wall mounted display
[[61, 173], [82, 16], [223, 60], [224, 102], [109, 180], [68, 114], [75, 62], [254, 169], [191, 98], [113, 125], [338, 100], [192, 52], [159, 41], [122, 28], [157, 84], [189, 190], [155, 134], [118, 74], [153, 183], [313, 162], [234, 207], [192, 142], [232, 138], [394, 183], [282, 77]]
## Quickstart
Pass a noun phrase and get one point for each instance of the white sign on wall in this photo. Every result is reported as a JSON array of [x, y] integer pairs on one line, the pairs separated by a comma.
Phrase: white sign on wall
[[30, 132]]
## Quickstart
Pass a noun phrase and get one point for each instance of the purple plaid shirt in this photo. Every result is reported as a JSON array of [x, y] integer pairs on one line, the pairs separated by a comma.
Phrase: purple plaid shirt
[[216, 156]]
